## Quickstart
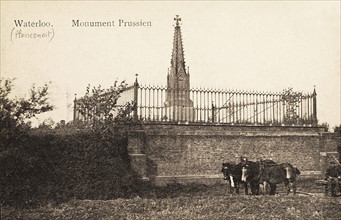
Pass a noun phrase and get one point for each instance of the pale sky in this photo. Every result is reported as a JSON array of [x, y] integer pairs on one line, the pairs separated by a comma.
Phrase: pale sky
[[263, 46]]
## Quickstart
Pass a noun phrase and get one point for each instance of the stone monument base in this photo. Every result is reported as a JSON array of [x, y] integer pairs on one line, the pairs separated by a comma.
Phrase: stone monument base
[[180, 113]]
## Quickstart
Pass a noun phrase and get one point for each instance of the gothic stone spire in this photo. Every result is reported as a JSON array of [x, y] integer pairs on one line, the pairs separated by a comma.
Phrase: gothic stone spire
[[178, 60], [178, 78], [178, 101]]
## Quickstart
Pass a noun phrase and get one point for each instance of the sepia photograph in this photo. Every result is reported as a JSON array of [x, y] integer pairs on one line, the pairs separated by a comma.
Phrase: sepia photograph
[[170, 110]]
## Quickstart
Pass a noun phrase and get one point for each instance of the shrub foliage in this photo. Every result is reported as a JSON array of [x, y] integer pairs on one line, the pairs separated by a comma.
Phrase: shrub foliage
[[17, 162], [40, 165]]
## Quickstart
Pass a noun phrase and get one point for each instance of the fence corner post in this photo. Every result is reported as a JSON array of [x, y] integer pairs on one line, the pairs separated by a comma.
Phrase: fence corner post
[[136, 87], [314, 107]]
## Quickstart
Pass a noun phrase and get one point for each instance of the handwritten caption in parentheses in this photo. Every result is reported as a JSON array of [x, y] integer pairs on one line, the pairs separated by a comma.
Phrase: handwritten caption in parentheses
[[26, 31]]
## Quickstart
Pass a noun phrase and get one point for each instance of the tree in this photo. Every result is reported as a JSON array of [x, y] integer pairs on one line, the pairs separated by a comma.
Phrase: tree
[[107, 119], [47, 124], [101, 110], [14, 112], [14, 125]]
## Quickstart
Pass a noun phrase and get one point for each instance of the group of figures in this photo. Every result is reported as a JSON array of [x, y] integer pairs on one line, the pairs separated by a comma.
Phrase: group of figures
[[261, 176]]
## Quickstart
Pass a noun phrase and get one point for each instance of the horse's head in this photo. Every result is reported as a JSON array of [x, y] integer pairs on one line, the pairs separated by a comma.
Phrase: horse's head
[[243, 160], [226, 170], [250, 170], [231, 173], [245, 172], [290, 171]]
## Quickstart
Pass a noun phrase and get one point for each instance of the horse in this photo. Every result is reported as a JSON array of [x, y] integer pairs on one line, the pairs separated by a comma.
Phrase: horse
[[251, 173], [281, 173], [232, 173], [333, 176]]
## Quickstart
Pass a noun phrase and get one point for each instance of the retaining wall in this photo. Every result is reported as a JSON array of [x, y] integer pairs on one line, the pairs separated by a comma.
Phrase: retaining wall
[[194, 153]]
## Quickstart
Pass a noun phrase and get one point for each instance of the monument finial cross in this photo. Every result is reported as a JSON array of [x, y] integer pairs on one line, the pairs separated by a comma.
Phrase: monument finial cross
[[177, 19]]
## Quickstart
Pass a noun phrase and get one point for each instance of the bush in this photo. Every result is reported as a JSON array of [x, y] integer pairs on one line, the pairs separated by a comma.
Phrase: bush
[[38, 165], [57, 166]]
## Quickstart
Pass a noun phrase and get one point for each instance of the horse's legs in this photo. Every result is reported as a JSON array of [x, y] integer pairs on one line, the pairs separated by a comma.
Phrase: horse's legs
[[293, 186], [266, 187], [254, 187], [246, 188], [273, 188], [261, 188], [231, 189], [237, 188], [257, 188], [287, 185]]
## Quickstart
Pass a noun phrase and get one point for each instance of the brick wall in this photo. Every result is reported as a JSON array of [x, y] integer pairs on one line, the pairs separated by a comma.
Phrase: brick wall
[[196, 150]]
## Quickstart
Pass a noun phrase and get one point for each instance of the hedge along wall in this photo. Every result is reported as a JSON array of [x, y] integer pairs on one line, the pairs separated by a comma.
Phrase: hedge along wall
[[185, 152], [60, 165]]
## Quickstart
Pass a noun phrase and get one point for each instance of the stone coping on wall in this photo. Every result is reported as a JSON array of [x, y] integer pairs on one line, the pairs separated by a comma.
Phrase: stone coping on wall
[[197, 124], [186, 123], [237, 134], [213, 130]]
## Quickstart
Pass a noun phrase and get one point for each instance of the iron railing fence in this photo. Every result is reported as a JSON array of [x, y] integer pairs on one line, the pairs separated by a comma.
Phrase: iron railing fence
[[226, 106], [203, 105]]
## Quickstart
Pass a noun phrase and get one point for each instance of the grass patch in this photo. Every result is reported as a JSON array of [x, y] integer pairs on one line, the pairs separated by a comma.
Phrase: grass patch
[[190, 202]]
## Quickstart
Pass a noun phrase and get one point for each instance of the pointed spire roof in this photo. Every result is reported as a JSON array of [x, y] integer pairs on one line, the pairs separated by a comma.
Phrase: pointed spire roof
[[178, 59]]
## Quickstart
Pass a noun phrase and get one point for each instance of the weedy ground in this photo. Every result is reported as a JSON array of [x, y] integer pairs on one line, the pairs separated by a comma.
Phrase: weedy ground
[[193, 202]]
